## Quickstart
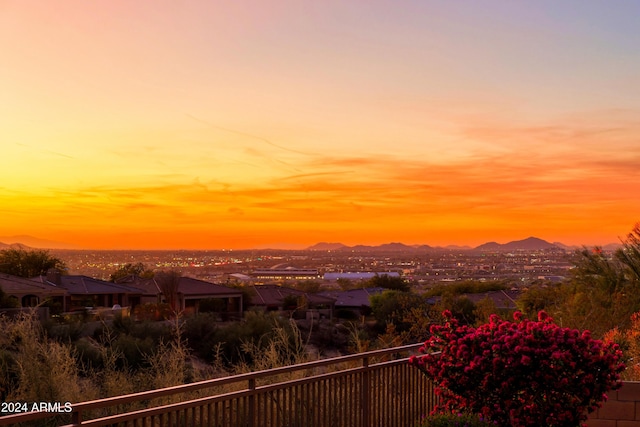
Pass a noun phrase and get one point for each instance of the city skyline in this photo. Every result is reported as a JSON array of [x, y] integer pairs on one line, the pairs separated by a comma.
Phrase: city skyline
[[203, 125]]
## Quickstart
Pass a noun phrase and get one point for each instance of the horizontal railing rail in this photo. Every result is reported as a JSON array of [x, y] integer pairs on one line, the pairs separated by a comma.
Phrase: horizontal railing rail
[[375, 388]]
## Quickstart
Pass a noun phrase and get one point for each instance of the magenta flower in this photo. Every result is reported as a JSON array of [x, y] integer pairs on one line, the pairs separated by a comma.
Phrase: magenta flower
[[523, 373]]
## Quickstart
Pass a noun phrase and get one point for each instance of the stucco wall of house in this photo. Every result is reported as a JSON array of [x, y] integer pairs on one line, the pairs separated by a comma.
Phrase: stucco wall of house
[[622, 409]]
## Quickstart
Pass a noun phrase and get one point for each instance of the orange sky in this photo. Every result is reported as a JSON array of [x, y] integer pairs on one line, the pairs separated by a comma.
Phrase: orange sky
[[163, 124]]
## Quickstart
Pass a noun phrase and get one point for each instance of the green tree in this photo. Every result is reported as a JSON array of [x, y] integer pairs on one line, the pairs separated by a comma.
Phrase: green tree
[[484, 309], [602, 292], [130, 269], [388, 282], [408, 312], [629, 255], [461, 308], [248, 293], [345, 284], [467, 287], [541, 297], [308, 286], [23, 263]]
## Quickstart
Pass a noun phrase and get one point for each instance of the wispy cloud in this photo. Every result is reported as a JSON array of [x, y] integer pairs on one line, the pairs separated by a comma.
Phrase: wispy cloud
[[248, 135], [43, 150]]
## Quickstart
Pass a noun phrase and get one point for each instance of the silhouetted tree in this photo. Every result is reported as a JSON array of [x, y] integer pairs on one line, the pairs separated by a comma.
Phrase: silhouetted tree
[[629, 255], [345, 284], [603, 291], [461, 308], [308, 286], [467, 287], [23, 263], [540, 297], [168, 282], [409, 313], [484, 309], [130, 269], [388, 282]]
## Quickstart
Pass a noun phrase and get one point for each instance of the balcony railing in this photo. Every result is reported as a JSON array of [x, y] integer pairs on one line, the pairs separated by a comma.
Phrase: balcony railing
[[376, 388]]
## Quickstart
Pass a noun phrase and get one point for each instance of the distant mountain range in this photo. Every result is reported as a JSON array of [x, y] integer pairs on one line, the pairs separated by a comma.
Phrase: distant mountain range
[[25, 242], [392, 247], [529, 244], [14, 246]]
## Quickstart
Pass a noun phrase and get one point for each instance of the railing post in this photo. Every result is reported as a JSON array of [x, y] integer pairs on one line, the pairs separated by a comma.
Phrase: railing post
[[252, 403], [76, 417], [365, 393]]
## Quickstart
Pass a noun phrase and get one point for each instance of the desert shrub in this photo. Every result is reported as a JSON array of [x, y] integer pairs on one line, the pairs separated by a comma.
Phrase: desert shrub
[[156, 331], [55, 306], [132, 341], [284, 346], [257, 327], [167, 367], [41, 369], [135, 351], [8, 378], [201, 336], [152, 311], [466, 287], [211, 342], [521, 374], [359, 339], [88, 353], [454, 420], [122, 324], [67, 331], [629, 341]]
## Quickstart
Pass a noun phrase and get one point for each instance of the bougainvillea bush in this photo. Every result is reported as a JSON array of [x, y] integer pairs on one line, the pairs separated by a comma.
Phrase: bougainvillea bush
[[522, 374], [454, 420]]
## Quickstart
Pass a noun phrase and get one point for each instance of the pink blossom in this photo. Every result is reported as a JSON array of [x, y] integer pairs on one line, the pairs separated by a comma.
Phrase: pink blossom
[[488, 370]]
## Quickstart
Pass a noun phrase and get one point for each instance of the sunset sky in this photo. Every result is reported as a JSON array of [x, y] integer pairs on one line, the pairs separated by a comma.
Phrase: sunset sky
[[241, 124]]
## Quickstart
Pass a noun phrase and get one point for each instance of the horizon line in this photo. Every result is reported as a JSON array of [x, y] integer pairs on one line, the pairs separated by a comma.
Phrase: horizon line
[[277, 247]]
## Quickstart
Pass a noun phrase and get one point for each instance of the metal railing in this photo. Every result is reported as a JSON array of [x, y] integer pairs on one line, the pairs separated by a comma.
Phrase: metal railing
[[375, 388]]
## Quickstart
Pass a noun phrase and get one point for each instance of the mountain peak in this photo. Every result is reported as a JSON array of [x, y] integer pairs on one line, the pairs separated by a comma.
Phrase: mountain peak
[[324, 246], [14, 246], [35, 242], [530, 243]]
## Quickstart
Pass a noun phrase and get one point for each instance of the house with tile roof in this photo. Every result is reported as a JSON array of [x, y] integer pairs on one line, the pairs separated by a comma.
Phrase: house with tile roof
[[356, 301], [291, 301], [31, 293], [505, 299], [192, 295], [84, 291]]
